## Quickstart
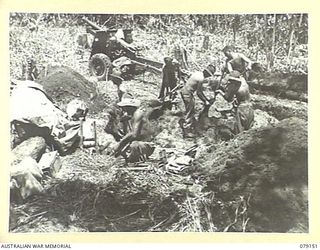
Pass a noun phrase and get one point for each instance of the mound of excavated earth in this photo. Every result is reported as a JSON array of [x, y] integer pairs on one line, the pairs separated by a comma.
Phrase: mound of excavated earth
[[280, 82], [266, 167], [290, 86], [280, 108], [64, 84]]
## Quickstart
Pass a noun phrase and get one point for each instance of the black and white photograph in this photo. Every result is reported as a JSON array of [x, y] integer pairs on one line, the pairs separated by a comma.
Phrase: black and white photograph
[[158, 122]]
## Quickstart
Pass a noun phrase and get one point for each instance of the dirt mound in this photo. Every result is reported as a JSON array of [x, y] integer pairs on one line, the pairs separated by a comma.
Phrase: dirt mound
[[267, 169], [289, 86], [280, 108], [278, 82], [63, 84], [298, 83]]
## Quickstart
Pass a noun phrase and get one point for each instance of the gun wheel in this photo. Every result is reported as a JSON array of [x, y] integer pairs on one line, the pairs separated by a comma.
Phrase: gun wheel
[[99, 66]]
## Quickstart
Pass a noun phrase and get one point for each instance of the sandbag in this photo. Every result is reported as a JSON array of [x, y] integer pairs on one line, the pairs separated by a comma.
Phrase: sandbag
[[33, 147], [25, 179]]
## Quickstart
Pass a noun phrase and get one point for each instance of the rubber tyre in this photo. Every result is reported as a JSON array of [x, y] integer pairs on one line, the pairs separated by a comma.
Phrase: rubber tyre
[[99, 66]]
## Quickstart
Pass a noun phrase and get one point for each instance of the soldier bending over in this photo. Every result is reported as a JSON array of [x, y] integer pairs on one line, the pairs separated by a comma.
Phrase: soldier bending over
[[194, 84]]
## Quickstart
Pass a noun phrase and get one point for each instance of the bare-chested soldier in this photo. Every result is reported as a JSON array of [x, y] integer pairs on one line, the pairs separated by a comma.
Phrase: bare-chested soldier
[[194, 84], [237, 92], [236, 61], [139, 126]]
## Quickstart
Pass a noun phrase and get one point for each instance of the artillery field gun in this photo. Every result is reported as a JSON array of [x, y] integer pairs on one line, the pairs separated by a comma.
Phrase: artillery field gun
[[112, 54]]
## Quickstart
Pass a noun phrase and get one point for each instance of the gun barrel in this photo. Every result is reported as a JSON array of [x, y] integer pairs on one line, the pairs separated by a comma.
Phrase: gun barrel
[[92, 24], [152, 68]]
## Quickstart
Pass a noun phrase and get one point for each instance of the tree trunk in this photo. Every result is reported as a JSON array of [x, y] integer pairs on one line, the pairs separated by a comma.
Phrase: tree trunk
[[180, 55], [225, 20], [273, 41], [266, 41], [235, 27], [290, 42], [206, 41], [257, 41], [296, 40], [300, 20], [291, 37]]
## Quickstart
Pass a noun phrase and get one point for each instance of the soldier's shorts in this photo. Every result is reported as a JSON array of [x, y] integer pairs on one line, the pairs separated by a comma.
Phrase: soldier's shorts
[[189, 103], [245, 117], [139, 151]]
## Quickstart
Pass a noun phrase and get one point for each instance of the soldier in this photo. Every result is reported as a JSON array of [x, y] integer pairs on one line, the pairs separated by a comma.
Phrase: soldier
[[171, 74], [194, 84], [236, 61], [30, 70], [116, 78], [237, 93], [138, 128]]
